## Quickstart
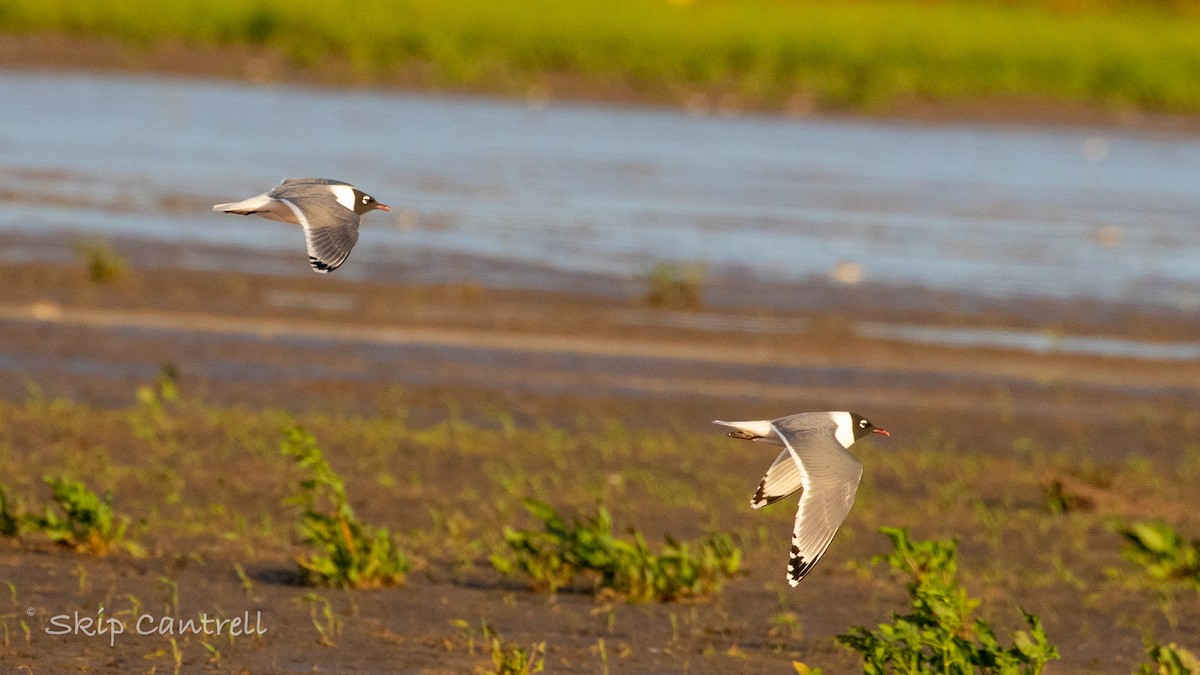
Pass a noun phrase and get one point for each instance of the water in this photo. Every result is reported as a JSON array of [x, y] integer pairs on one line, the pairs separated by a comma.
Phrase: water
[[1031, 341], [991, 211]]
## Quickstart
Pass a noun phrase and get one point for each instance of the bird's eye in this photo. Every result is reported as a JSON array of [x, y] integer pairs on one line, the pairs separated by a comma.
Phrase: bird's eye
[[863, 423], [366, 199]]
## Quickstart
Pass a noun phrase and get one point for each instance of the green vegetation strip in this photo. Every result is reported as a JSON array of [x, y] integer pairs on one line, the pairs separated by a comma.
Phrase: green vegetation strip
[[356, 555], [939, 634], [857, 55], [556, 555]]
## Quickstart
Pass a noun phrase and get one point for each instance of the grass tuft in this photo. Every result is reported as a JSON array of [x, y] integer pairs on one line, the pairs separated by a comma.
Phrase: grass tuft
[[1162, 552], [510, 658], [355, 555], [88, 523], [104, 265], [938, 635], [10, 515], [675, 286], [562, 551], [1169, 659]]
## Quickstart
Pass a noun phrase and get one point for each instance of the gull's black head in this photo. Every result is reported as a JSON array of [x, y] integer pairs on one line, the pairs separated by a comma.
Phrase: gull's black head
[[364, 203], [862, 427]]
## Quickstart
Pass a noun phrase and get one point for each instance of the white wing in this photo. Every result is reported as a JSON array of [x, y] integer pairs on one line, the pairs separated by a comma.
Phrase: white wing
[[829, 476], [781, 480]]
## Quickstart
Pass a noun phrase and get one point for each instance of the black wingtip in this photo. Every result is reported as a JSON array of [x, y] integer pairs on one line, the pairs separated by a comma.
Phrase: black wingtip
[[797, 567], [321, 267], [759, 499]]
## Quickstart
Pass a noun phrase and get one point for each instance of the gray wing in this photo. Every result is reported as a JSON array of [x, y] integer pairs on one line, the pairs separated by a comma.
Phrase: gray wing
[[781, 480], [829, 476], [298, 182], [330, 229]]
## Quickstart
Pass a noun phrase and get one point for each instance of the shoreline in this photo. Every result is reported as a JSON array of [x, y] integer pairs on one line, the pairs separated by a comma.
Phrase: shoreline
[[266, 66], [726, 294]]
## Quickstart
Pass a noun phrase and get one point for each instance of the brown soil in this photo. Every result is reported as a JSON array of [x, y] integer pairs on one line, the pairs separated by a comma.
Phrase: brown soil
[[329, 345]]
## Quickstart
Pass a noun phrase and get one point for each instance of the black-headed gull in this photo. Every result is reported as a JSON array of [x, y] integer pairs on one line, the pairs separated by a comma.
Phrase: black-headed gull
[[814, 459], [327, 210]]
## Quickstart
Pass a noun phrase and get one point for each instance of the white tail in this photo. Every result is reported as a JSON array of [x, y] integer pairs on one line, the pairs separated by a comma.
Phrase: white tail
[[755, 430], [245, 206]]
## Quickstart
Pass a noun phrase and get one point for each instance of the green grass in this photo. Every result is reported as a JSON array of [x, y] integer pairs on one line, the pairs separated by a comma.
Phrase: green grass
[[104, 264], [10, 515], [762, 53], [87, 524], [563, 551], [510, 658], [675, 286], [1162, 552], [355, 555], [1169, 659], [939, 634], [507, 658]]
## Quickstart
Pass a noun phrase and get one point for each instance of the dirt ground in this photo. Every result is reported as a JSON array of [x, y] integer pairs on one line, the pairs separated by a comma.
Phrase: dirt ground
[[977, 433]]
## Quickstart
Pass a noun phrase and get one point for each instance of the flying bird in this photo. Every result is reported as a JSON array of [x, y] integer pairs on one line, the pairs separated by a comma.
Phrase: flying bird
[[814, 459], [327, 210]]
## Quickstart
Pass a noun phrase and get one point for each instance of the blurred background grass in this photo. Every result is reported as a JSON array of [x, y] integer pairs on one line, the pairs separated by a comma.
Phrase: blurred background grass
[[858, 55]]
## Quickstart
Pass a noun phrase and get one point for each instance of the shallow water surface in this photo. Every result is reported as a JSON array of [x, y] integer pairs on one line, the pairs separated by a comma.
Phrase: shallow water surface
[[992, 211]]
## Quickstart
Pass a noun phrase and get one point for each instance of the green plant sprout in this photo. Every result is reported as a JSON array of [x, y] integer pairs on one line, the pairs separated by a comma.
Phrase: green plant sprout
[[355, 555], [1162, 552], [88, 523], [938, 635], [561, 551], [1169, 659]]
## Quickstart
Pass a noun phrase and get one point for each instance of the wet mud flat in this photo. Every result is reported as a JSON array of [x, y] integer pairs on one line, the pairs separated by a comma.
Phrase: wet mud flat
[[368, 346], [561, 344]]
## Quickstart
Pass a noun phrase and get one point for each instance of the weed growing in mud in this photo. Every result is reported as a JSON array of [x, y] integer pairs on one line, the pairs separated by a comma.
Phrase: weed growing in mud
[[1169, 659], [10, 518], [88, 523], [1060, 500], [151, 420], [939, 635], [5, 641], [1162, 552], [556, 555], [508, 658], [103, 263], [325, 621], [356, 555], [675, 286]]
